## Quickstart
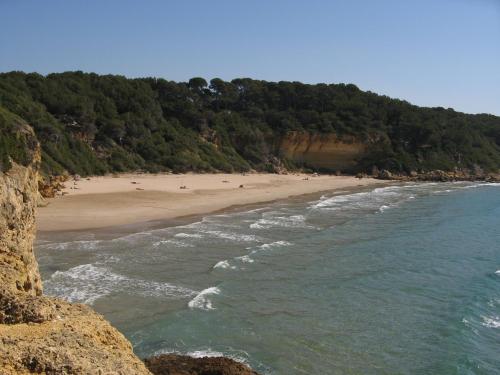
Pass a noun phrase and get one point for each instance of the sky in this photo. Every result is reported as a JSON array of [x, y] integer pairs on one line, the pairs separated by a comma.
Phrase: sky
[[429, 52]]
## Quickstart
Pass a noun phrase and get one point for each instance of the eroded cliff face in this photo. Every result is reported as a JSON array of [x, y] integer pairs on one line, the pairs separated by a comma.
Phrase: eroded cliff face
[[322, 151], [18, 199], [44, 335], [40, 334]]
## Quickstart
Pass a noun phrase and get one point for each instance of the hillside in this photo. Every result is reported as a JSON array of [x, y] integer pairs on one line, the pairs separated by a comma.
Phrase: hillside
[[92, 124]]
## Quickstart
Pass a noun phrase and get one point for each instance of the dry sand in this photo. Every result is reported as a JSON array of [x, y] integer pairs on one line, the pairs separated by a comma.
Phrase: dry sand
[[108, 201]]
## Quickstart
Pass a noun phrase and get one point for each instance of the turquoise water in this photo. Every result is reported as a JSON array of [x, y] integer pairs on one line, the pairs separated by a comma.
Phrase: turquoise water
[[392, 280]]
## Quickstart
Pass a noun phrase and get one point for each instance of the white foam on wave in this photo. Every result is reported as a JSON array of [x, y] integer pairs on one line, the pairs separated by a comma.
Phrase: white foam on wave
[[208, 353], [269, 221], [224, 264], [73, 245], [491, 322], [205, 353], [383, 208], [336, 201], [201, 301], [87, 283], [271, 245], [175, 243], [497, 272], [480, 184], [232, 236], [245, 259], [209, 222], [188, 235], [389, 189], [378, 199]]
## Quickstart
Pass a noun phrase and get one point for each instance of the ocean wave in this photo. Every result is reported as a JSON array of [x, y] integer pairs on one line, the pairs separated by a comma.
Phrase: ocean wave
[[383, 208], [240, 357], [480, 184], [106, 259], [493, 302], [245, 259], [233, 236], [175, 243], [491, 322], [443, 191], [209, 222], [87, 283], [378, 199], [269, 221], [334, 202], [73, 245], [136, 237], [271, 245], [188, 235], [224, 264], [201, 301]]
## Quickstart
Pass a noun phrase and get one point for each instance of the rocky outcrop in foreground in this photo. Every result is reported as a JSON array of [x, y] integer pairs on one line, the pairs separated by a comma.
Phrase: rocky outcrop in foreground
[[40, 334], [45, 335]]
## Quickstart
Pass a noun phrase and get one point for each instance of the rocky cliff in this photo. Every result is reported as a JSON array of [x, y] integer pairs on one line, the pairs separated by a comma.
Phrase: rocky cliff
[[18, 198], [322, 151], [45, 335], [39, 334]]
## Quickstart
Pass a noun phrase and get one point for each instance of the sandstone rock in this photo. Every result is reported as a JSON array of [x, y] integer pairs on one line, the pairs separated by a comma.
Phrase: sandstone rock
[[75, 340], [385, 175], [322, 151], [18, 201], [493, 178], [49, 187], [40, 334]]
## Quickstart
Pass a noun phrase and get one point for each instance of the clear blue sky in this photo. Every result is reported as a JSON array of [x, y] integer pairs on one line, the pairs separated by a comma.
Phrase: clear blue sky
[[429, 52]]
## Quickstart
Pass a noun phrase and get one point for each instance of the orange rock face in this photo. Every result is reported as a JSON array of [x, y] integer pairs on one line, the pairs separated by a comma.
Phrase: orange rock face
[[322, 151]]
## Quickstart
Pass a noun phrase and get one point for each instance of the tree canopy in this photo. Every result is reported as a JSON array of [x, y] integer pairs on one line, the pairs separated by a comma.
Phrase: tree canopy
[[94, 124]]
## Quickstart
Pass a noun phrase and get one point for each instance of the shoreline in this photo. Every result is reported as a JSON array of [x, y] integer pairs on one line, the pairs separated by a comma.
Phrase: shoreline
[[112, 203], [114, 231]]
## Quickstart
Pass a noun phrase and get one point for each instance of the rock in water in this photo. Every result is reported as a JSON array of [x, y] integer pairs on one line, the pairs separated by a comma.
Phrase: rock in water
[[171, 364]]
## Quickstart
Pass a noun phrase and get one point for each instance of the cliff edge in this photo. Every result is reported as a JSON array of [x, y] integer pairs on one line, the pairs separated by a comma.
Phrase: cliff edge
[[45, 335], [40, 334]]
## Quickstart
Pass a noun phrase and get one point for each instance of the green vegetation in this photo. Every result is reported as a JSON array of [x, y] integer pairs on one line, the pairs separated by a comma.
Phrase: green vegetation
[[91, 124], [14, 143]]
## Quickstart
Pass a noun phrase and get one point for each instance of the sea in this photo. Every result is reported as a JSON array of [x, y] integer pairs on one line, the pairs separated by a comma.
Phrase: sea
[[399, 279]]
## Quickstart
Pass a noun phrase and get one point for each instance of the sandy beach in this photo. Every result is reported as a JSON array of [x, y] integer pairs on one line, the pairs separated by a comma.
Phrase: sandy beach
[[107, 201]]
